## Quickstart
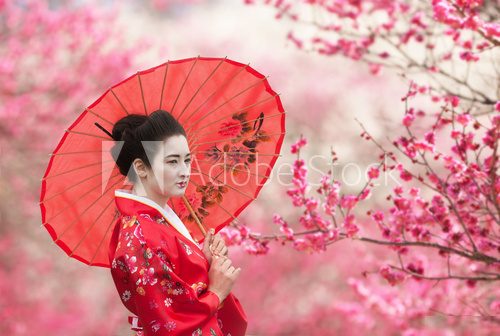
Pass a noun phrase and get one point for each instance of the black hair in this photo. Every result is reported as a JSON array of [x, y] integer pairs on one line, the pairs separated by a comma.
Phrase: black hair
[[134, 128]]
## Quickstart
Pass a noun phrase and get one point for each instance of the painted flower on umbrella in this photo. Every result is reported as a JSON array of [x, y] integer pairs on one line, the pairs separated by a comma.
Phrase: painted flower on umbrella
[[195, 201], [210, 195], [230, 128], [238, 130], [231, 155]]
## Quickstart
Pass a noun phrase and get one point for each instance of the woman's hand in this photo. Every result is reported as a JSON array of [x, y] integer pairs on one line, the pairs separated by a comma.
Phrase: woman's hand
[[222, 276], [214, 245]]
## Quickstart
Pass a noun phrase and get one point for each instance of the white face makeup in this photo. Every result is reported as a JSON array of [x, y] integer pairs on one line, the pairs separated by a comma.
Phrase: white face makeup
[[169, 168]]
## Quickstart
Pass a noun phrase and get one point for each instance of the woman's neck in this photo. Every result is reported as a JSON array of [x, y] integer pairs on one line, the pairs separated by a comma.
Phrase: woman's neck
[[139, 190]]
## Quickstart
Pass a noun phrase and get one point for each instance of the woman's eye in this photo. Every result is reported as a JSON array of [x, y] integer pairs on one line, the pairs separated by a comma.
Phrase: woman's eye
[[175, 161]]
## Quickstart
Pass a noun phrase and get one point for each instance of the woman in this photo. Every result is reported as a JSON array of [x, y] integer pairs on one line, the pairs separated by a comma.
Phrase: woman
[[171, 284]]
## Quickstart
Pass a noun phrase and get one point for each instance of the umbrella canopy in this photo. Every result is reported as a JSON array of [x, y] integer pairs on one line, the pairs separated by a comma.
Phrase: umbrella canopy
[[235, 125]]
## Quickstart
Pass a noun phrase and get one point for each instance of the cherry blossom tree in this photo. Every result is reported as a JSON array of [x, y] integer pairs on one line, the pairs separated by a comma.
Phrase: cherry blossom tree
[[439, 224], [54, 57]]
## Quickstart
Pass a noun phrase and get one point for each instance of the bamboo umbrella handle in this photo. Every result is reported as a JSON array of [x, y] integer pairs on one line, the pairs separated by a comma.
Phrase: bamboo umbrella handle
[[197, 220]]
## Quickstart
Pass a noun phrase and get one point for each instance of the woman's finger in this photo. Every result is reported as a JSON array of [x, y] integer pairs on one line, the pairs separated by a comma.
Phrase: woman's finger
[[224, 251], [221, 243]]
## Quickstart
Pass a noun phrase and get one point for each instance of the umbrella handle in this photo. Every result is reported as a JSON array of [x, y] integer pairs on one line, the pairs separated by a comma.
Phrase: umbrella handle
[[197, 220]]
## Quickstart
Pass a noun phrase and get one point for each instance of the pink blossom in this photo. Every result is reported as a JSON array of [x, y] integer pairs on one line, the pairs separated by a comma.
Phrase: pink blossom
[[351, 228], [408, 119], [284, 228], [454, 101], [373, 172], [298, 145], [495, 307], [405, 175], [311, 204], [301, 244], [423, 146], [378, 216], [256, 247], [231, 236], [348, 201], [430, 137], [391, 276], [468, 56], [365, 193], [375, 68]]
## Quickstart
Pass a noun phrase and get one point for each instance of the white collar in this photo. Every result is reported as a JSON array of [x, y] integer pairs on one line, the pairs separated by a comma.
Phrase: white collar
[[166, 211]]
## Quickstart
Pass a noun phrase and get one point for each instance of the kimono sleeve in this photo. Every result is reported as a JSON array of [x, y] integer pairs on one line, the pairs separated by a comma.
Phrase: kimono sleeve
[[164, 303]]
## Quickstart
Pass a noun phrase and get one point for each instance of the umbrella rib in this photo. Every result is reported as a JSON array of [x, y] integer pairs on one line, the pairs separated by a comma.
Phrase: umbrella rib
[[227, 139], [218, 89], [240, 170], [97, 115], [72, 170], [142, 93], [184, 83], [90, 228], [88, 134], [242, 153], [119, 101], [84, 211], [230, 214], [70, 153], [227, 185], [72, 186], [227, 101], [81, 196], [201, 86], [198, 135], [230, 113], [104, 237], [163, 85]]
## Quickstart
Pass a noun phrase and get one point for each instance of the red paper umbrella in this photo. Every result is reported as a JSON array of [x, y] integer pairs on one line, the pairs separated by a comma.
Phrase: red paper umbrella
[[235, 126]]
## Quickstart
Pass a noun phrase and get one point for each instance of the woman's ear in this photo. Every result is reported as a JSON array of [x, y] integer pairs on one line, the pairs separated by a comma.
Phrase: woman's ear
[[140, 168]]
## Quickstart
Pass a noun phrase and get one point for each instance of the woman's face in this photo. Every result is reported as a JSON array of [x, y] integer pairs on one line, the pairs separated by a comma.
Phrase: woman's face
[[171, 165]]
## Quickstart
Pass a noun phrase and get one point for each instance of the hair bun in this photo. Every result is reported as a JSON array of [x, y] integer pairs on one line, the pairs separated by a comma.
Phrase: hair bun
[[125, 127]]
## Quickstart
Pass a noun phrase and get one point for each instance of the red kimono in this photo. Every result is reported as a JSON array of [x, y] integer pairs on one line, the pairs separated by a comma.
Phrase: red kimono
[[161, 274]]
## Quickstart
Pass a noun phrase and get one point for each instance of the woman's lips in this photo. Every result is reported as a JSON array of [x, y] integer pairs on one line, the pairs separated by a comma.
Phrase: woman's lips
[[181, 184]]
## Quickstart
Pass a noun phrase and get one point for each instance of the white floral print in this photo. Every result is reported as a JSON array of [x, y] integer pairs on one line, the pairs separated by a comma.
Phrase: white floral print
[[170, 325], [126, 296], [187, 248], [131, 263], [168, 302], [148, 276], [147, 216], [155, 326]]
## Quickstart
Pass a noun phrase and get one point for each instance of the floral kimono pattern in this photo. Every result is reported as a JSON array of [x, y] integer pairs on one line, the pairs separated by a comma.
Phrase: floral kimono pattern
[[161, 275]]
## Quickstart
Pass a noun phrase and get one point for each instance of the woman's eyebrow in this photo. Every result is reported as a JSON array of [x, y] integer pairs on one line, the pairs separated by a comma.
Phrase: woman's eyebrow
[[177, 155]]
